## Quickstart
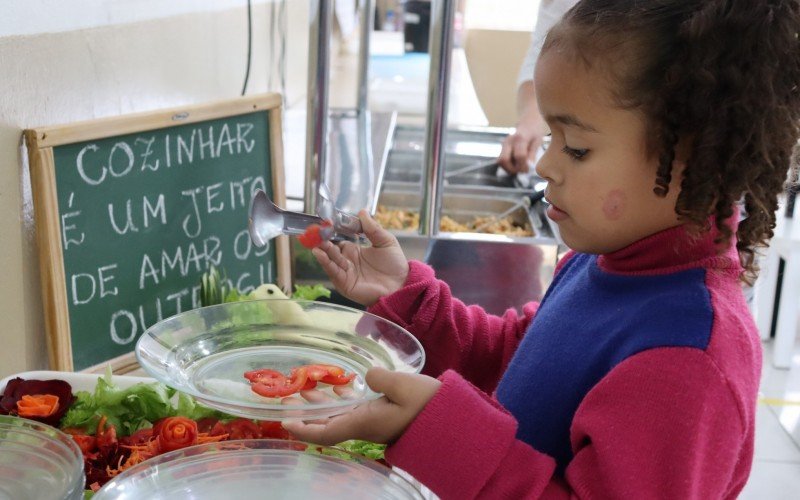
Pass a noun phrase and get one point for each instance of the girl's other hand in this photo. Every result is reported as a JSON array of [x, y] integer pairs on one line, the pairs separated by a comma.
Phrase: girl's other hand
[[381, 420], [365, 274]]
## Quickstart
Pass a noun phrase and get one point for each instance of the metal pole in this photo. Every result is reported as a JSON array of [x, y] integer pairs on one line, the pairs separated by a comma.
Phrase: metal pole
[[440, 48], [320, 22], [363, 125], [367, 18]]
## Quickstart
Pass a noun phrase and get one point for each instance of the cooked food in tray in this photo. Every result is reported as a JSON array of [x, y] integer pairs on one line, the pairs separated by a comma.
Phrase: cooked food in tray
[[399, 219]]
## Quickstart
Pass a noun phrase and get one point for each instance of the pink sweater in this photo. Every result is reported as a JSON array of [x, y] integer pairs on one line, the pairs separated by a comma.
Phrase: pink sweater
[[638, 374]]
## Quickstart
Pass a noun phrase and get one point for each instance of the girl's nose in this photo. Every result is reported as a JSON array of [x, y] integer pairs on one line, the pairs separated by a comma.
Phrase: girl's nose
[[547, 168]]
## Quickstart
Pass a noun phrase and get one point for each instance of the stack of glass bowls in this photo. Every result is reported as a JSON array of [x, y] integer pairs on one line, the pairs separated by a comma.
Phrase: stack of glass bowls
[[38, 462]]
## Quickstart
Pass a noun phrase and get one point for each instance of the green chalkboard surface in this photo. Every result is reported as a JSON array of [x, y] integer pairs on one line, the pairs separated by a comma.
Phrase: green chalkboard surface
[[134, 212]]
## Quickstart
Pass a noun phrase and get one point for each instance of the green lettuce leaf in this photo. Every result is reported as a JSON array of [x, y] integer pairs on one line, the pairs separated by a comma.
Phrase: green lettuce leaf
[[128, 409], [308, 292], [368, 449], [189, 408]]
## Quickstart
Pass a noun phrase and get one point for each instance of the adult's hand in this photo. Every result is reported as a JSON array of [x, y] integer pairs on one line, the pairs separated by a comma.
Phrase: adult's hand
[[520, 148]]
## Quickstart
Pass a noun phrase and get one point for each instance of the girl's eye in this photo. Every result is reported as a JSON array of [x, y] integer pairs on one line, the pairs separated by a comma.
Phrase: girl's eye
[[576, 154]]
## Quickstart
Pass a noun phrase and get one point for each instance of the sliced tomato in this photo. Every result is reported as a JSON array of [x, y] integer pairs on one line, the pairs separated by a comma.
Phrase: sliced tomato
[[263, 374], [275, 387], [87, 444], [318, 372], [310, 384], [242, 428], [338, 380], [141, 436], [273, 430], [211, 426]]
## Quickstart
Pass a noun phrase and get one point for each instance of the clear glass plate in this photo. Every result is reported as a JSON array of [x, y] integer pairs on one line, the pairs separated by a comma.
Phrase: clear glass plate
[[263, 468], [38, 462], [205, 352]]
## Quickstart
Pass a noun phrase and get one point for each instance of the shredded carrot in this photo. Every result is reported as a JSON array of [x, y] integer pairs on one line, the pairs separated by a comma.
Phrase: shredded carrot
[[147, 449], [101, 425], [203, 437], [113, 472], [37, 405], [133, 459]]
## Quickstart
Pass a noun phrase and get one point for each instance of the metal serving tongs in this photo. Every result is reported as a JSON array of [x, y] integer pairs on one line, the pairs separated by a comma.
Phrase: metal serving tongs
[[345, 225], [267, 220], [479, 165], [526, 201]]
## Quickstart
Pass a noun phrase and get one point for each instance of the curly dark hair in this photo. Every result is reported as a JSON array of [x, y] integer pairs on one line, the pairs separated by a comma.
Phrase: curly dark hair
[[724, 75]]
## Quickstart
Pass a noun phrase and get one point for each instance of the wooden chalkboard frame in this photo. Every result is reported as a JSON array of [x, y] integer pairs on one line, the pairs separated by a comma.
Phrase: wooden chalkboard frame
[[40, 144]]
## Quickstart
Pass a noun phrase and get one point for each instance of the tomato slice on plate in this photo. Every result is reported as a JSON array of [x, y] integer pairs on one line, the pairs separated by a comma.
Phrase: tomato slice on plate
[[327, 374], [318, 372], [279, 386], [274, 384], [263, 374], [338, 379]]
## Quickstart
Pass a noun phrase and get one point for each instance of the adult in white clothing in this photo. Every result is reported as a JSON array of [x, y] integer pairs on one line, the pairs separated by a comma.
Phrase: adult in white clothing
[[520, 147]]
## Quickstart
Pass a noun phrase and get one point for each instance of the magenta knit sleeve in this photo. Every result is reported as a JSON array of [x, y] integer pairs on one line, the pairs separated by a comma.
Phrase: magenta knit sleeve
[[455, 336], [662, 424]]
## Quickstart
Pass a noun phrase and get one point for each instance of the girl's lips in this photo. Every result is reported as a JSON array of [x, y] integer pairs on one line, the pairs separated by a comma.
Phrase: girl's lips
[[555, 213]]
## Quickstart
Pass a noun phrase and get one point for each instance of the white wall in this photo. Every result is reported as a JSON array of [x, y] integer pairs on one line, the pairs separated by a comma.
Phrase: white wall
[[62, 62]]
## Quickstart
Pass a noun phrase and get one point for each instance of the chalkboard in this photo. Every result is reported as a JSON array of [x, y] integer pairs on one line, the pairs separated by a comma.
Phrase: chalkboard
[[130, 211]]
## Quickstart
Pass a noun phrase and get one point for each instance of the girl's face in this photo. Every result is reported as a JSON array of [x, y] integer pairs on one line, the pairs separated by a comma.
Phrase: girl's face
[[600, 177]]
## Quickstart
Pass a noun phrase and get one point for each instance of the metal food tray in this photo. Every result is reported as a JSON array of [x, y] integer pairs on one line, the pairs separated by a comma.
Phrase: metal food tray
[[463, 206], [406, 167]]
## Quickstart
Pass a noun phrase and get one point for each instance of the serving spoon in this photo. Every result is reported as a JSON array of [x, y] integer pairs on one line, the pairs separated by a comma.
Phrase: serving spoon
[[267, 221]]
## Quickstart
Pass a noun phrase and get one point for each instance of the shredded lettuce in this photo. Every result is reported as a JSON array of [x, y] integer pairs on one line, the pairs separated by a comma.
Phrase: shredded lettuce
[[308, 292], [131, 409], [128, 409], [216, 288], [367, 449], [189, 408]]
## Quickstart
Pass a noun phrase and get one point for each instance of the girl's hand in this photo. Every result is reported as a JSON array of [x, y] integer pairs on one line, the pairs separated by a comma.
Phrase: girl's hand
[[381, 420], [365, 274]]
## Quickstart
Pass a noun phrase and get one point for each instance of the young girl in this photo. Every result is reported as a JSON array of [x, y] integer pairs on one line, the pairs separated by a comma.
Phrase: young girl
[[637, 375]]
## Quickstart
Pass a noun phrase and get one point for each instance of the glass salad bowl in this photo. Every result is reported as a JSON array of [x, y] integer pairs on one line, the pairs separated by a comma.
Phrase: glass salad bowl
[[263, 468], [38, 462], [205, 352]]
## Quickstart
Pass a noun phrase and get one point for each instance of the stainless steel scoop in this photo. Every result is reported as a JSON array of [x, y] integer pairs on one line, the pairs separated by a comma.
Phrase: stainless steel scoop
[[267, 221], [342, 221]]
